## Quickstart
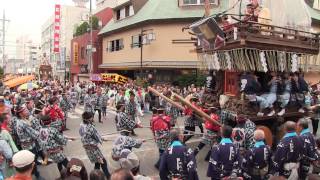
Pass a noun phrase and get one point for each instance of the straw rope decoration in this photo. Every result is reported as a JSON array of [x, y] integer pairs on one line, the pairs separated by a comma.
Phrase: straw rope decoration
[[250, 59], [281, 61], [229, 64]]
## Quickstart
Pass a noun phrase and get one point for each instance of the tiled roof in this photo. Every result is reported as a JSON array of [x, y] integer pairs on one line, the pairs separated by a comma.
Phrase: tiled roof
[[161, 10], [314, 13]]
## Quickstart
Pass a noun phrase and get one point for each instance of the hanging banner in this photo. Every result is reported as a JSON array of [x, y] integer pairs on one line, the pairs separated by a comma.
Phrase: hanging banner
[[75, 53], [114, 78], [63, 58], [56, 35]]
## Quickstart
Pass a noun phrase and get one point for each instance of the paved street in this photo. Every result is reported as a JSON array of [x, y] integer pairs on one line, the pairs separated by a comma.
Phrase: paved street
[[148, 153]]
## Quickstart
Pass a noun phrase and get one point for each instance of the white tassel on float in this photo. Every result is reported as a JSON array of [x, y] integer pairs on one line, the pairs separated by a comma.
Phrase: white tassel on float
[[216, 62], [294, 63], [212, 65], [228, 57], [282, 61], [263, 61]]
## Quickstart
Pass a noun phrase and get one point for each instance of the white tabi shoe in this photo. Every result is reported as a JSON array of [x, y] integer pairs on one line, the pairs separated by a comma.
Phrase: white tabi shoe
[[301, 110], [272, 113], [281, 113], [260, 114]]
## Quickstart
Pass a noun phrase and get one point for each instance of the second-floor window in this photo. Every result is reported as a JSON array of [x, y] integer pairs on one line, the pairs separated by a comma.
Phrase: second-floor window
[[198, 2], [115, 45], [124, 12], [136, 41]]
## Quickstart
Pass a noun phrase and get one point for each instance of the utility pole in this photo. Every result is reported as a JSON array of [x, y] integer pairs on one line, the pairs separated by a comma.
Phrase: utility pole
[[142, 34], [90, 50], [141, 51], [4, 20]]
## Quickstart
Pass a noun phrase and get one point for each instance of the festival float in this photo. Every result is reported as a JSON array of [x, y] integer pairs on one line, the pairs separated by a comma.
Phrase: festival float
[[267, 38], [257, 38], [45, 69]]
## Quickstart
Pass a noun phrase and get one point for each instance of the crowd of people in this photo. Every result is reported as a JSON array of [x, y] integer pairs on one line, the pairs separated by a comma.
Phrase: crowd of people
[[33, 123]]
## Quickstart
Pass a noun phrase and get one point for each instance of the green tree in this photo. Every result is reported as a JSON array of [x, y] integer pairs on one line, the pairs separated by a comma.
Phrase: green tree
[[82, 29], [95, 23], [85, 26], [187, 80], [1, 72]]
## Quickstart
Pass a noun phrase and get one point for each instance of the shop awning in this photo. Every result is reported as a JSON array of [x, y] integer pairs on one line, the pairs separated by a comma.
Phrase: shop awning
[[18, 81]]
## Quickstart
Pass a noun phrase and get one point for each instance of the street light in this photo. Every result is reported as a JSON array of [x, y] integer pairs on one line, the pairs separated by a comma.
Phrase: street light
[[90, 50]]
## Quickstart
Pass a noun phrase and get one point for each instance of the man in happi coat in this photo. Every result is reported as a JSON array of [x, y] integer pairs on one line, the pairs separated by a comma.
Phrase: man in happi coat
[[160, 126], [99, 102], [256, 163], [26, 134], [66, 106], [310, 154], [53, 142], [131, 108], [225, 157], [171, 110], [124, 143], [248, 127], [91, 139], [178, 161], [89, 102], [192, 119], [123, 121], [288, 153], [212, 132]]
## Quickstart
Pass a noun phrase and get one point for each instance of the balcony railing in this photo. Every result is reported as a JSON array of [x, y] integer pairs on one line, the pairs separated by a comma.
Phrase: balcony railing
[[269, 37]]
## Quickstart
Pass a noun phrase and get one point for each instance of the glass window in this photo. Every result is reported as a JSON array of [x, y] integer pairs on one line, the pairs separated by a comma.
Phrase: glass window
[[122, 13], [131, 11], [115, 45], [190, 1], [198, 2], [118, 14], [127, 8], [211, 1], [136, 41]]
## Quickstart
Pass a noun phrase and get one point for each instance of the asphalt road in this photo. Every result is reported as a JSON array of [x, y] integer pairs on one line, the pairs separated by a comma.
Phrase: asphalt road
[[148, 153]]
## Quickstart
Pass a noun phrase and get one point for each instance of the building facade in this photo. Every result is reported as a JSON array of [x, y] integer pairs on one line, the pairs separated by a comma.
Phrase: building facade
[[26, 57], [80, 65], [140, 39], [71, 16], [102, 4]]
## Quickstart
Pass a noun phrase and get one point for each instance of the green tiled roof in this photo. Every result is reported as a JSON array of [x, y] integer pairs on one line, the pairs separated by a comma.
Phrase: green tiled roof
[[161, 10], [314, 13]]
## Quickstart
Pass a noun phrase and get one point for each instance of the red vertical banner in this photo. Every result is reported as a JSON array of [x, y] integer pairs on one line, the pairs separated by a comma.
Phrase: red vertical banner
[[57, 20]]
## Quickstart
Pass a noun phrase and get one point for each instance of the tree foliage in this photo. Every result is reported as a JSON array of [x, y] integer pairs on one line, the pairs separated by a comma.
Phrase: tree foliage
[[85, 26], [95, 23], [1, 72], [187, 80], [82, 29]]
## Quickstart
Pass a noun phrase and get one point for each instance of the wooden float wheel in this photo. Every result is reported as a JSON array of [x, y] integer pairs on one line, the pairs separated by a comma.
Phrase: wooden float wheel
[[268, 134]]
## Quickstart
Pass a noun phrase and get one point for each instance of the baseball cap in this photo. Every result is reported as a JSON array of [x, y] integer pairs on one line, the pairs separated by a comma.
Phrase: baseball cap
[[130, 162], [23, 158]]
